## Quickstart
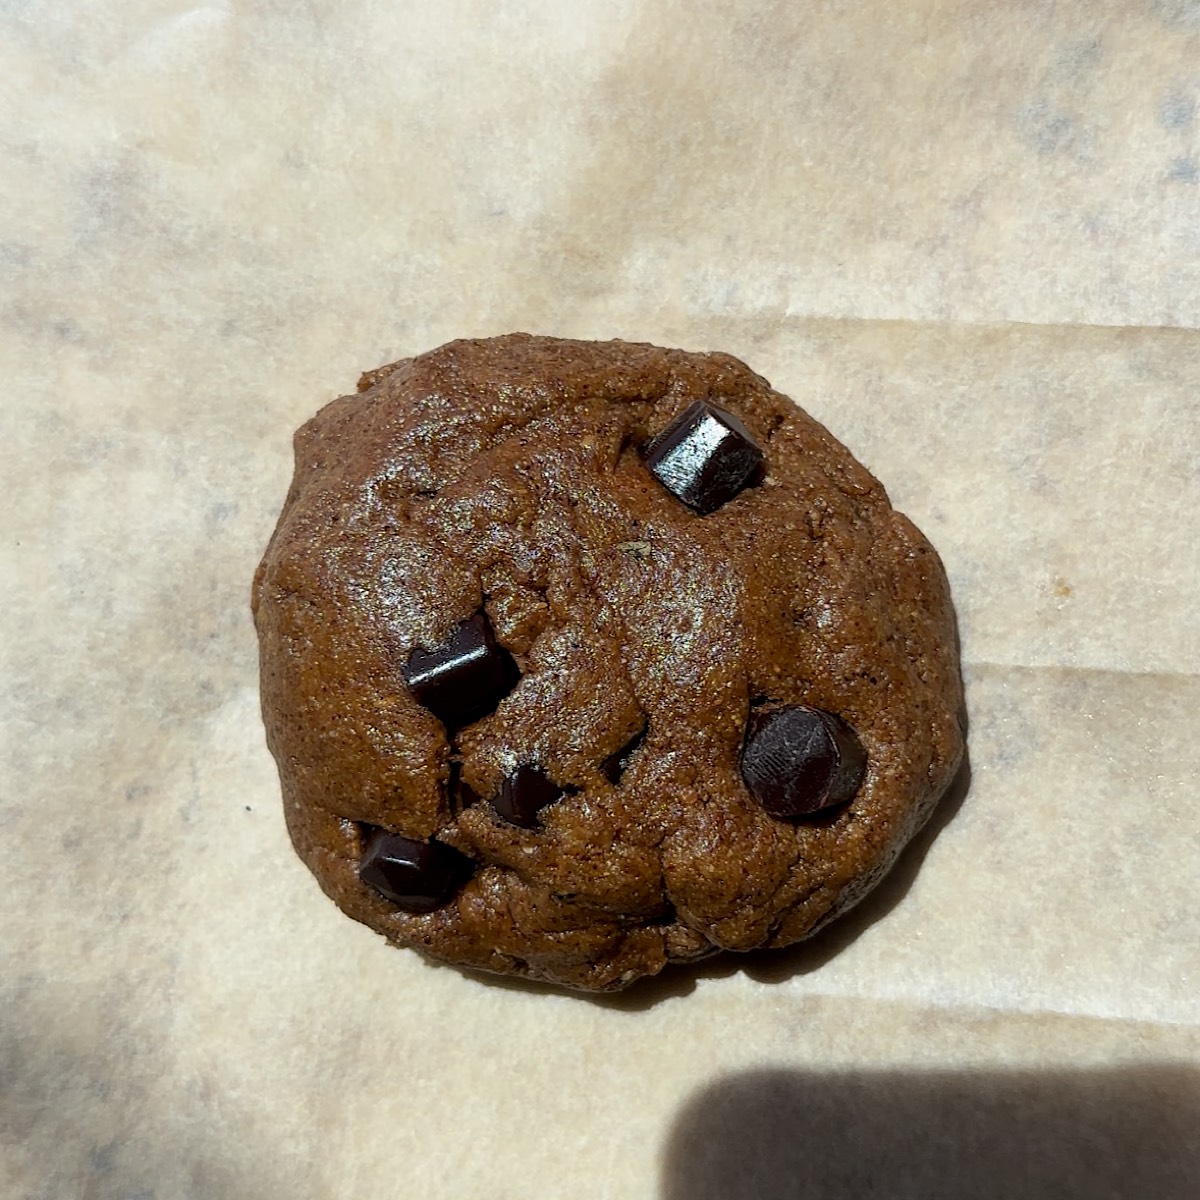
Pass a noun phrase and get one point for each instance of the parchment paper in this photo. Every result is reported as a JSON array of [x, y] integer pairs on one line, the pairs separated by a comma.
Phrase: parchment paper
[[951, 231]]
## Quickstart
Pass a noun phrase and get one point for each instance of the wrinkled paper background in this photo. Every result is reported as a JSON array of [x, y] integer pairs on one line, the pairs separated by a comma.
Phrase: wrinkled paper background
[[964, 234]]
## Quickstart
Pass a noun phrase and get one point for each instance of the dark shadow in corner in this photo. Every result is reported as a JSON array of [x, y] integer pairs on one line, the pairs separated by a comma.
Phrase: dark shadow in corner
[[987, 1135], [774, 966]]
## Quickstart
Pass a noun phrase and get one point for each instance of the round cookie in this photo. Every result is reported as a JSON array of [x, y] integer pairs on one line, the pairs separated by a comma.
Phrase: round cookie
[[583, 658]]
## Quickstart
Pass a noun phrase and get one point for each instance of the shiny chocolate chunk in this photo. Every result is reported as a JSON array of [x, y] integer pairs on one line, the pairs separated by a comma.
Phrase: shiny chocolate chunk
[[705, 457], [466, 677], [524, 794], [801, 760], [415, 876], [613, 767]]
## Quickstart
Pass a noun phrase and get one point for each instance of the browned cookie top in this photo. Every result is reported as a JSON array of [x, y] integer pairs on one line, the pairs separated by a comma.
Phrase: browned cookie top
[[525, 604]]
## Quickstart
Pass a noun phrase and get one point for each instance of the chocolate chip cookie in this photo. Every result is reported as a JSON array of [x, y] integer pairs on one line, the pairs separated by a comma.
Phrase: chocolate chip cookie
[[582, 658]]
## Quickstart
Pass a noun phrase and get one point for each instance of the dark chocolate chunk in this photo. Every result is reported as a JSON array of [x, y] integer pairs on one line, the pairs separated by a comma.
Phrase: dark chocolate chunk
[[416, 876], [466, 677], [705, 457], [524, 794], [800, 760], [613, 767]]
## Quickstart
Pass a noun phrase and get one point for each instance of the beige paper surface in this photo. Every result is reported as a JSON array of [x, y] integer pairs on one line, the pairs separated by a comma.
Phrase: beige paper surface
[[213, 216]]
